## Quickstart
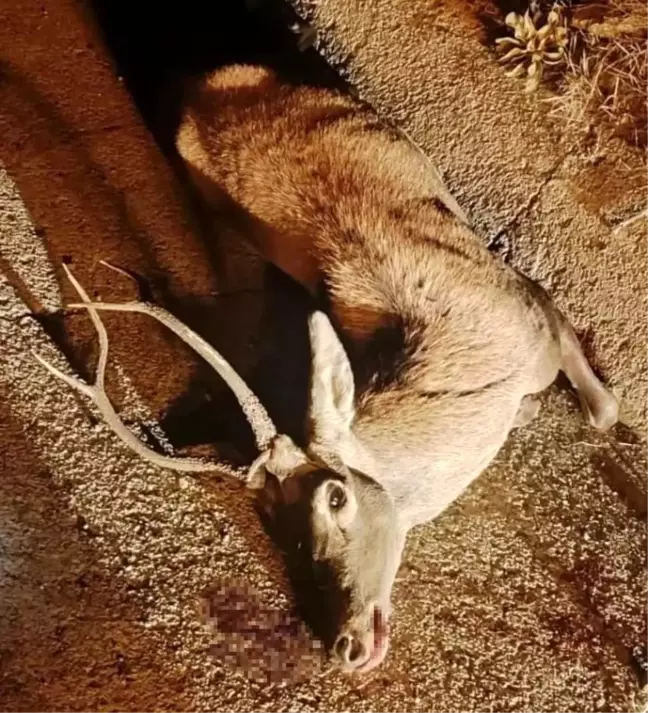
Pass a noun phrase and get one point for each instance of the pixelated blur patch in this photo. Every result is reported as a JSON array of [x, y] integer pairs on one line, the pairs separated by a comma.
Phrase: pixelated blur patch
[[266, 644]]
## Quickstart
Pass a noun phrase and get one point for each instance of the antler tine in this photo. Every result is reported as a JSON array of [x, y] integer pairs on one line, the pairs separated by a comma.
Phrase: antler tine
[[97, 393], [262, 426], [258, 418]]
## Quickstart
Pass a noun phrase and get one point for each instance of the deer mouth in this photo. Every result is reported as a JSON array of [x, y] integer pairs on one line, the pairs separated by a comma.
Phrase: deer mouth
[[380, 637]]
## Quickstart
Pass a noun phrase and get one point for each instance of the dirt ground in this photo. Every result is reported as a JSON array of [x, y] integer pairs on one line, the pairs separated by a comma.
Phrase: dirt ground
[[528, 594]]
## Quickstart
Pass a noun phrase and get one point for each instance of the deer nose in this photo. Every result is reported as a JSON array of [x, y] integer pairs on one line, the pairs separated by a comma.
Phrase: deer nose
[[351, 650]]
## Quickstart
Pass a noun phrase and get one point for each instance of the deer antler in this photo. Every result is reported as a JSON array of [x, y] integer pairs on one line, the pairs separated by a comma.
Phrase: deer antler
[[264, 430]]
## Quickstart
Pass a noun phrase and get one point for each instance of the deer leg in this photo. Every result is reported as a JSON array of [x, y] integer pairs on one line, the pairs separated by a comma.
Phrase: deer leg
[[598, 403], [529, 407], [564, 352]]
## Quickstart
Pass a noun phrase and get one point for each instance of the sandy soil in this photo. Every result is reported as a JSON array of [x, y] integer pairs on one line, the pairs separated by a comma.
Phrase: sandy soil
[[528, 594]]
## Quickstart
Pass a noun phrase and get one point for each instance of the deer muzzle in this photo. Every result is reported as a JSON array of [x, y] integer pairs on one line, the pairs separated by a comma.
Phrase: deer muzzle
[[363, 644]]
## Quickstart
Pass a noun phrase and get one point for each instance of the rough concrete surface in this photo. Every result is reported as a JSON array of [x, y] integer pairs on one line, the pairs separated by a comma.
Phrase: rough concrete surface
[[529, 594]]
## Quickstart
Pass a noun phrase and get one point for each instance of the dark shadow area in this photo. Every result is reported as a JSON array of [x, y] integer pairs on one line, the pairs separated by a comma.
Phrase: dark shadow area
[[156, 46], [620, 468]]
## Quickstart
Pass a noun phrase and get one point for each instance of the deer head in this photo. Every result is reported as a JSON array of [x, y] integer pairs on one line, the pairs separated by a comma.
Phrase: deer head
[[338, 528]]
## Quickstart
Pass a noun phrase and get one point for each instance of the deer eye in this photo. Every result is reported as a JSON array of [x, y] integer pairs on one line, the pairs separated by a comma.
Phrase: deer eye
[[337, 498]]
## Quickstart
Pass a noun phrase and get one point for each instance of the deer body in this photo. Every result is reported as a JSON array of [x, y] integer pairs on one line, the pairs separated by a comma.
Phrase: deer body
[[445, 340]]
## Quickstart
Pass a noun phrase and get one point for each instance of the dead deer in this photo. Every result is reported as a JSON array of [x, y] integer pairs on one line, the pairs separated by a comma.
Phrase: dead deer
[[342, 525], [444, 342]]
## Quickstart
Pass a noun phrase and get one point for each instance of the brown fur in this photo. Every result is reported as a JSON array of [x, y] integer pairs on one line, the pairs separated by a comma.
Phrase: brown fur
[[337, 199], [446, 341]]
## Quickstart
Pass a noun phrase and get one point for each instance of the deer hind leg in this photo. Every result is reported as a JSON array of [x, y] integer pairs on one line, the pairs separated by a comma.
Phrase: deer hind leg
[[564, 353], [598, 403]]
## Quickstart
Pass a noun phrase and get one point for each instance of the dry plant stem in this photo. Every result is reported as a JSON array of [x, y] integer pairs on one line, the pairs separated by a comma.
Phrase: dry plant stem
[[629, 221], [118, 269], [596, 55], [606, 66]]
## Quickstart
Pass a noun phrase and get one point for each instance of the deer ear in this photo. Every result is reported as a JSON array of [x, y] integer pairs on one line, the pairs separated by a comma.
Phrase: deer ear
[[332, 390]]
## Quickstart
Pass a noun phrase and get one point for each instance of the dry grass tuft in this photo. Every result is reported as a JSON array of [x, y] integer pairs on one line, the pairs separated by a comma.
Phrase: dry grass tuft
[[601, 78], [641, 701], [607, 65]]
